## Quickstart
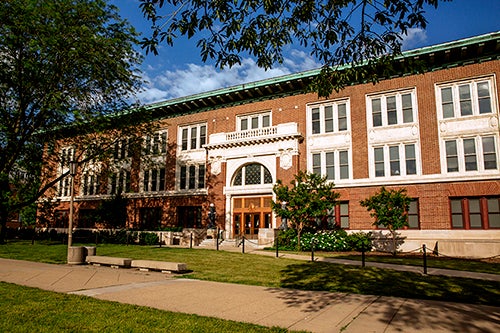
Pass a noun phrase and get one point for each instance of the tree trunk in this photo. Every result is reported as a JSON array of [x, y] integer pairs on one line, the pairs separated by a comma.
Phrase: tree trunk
[[393, 242], [4, 190]]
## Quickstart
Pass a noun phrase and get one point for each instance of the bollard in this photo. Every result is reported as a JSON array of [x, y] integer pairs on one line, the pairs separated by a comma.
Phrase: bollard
[[362, 256], [276, 244], [159, 238], [191, 241], [243, 245], [425, 259], [312, 250]]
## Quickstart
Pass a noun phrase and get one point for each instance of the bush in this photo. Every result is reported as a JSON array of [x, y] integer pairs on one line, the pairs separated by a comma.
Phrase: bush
[[359, 241], [287, 239], [329, 240], [148, 238]]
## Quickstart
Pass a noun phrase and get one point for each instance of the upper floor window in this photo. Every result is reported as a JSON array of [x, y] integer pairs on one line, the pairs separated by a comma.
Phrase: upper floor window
[[119, 182], [153, 180], [330, 117], [471, 154], [332, 164], [121, 149], [462, 99], [392, 108], [90, 183], [66, 156], [252, 174], [156, 144], [193, 136], [254, 121], [395, 160], [192, 177]]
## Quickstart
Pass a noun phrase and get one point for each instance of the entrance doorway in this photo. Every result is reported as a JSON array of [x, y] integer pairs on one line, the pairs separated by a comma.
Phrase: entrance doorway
[[250, 214]]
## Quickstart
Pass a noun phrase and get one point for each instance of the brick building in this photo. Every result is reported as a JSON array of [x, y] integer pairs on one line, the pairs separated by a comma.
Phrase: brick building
[[435, 134]]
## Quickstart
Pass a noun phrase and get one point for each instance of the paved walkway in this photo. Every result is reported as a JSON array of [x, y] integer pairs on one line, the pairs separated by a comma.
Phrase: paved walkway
[[293, 309]]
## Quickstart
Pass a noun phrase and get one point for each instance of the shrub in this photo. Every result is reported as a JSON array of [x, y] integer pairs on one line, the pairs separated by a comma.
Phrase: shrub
[[359, 241], [148, 238], [329, 240], [287, 239]]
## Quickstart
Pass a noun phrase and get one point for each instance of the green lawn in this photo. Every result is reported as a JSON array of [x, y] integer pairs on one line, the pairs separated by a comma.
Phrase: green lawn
[[33, 310], [223, 266]]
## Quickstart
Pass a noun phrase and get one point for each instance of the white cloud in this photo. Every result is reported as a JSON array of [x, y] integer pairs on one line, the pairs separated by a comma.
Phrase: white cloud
[[194, 78], [414, 38]]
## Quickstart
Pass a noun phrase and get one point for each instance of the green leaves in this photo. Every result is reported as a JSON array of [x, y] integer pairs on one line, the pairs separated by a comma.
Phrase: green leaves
[[337, 33]]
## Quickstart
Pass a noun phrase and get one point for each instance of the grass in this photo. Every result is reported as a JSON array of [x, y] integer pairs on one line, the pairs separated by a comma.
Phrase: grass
[[35, 310], [223, 266]]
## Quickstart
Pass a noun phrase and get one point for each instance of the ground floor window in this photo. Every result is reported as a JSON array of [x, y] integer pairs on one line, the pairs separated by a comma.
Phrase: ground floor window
[[475, 213], [87, 218], [150, 218], [189, 216]]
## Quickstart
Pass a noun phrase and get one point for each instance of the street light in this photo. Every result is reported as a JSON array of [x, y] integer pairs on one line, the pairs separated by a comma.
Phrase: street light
[[72, 172]]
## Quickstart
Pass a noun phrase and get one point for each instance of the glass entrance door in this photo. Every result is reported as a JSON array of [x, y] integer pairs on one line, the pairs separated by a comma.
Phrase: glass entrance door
[[250, 214]]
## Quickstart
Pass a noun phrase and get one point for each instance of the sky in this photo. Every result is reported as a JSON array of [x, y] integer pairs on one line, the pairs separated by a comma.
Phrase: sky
[[178, 71]]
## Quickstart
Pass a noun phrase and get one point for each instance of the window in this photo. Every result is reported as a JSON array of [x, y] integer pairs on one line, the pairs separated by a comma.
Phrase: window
[[465, 99], [395, 160], [392, 109], [121, 149], [329, 118], [254, 121], [338, 217], [252, 174], [189, 216], [332, 164], [119, 182], [153, 180], [192, 177], [475, 213], [90, 184], [413, 219], [471, 154], [193, 136], [66, 156], [156, 144]]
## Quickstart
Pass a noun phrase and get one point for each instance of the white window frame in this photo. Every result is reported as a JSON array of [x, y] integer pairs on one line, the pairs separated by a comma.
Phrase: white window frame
[[398, 95], [198, 174], [259, 117], [455, 101], [322, 110], [66, 155], [403, 168], [189, 137], [336, 163], [157, 180], [123, 174], [159, 139], [479, 153]]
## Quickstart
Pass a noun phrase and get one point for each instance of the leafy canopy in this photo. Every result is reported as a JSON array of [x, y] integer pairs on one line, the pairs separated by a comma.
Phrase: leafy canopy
[[335, 32], [62, 62]]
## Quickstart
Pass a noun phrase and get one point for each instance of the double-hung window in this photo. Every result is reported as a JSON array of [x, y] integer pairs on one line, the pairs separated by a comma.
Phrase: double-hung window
[[395, 160], [463, 99], [392, 108], [475, 213], [193, 137], [66, 156], [156, 144], [153, 180], [192, 177], [478, 153], [254, 121], [332, 164], [330, 117]]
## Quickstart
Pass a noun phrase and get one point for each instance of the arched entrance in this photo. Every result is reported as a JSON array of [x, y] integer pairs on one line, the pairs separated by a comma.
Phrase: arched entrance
[[251, 213]]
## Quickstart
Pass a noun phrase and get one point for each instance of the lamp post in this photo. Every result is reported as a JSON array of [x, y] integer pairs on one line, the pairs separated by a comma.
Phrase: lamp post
[[72, 172]]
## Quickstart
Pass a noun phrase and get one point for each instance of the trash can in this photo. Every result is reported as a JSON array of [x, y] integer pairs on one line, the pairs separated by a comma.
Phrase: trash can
[[76, 255]]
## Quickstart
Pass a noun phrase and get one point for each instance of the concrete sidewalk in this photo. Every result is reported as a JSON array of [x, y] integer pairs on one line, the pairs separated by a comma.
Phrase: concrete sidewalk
[[292, 309]]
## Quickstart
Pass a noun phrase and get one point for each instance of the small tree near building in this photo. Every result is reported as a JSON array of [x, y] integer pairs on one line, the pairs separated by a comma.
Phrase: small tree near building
[[390, 210], [308, 200]]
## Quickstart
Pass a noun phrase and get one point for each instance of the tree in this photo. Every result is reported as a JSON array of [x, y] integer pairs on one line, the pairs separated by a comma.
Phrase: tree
[[65, 65], [309, 199], [337, 33], [390, 210]]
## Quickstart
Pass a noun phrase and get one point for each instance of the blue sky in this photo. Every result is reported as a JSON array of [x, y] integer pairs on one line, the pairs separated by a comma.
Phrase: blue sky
[[178, 71]]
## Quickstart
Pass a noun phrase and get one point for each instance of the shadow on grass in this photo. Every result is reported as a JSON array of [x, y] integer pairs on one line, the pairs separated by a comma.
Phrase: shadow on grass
[[406, 301], [384, 282]]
